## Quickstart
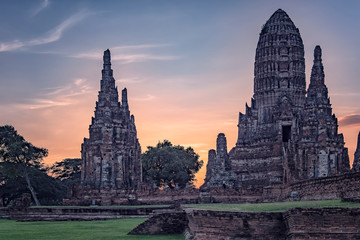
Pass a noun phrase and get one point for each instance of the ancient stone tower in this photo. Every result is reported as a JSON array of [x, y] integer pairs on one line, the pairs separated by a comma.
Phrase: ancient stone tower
[[111, 154], [356, 163], [218, 167], [287, 133]]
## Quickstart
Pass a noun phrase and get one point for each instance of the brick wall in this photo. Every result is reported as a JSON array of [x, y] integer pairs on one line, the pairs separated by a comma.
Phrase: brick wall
[[66, 214], [205, 225], [299, 224], [336, 187], [173, 222], [322, 223]]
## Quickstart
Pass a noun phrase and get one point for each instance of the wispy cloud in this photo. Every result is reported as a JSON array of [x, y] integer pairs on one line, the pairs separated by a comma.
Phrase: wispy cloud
[[194, 145], [45, 103], [350, 94], [77, 87], [130, 58], [148, 97], [61, 96], [126, 58], [44, 4], [125, 55], [353, 119], [129, 80], [52, 36], [140, 46]]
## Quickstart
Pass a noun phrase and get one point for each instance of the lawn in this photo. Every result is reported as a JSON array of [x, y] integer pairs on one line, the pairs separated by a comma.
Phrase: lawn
[[272, 207], [76, 230]]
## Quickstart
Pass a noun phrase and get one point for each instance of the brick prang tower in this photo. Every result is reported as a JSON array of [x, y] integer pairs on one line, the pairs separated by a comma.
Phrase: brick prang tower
[[111, 154]]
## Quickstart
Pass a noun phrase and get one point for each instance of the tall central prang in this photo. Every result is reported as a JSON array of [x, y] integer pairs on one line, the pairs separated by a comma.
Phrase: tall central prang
[[287, 134], [111, 154], [279, 67]]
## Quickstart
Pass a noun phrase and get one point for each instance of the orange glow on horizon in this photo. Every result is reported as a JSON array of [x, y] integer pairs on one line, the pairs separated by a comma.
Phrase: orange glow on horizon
[[198, 130]]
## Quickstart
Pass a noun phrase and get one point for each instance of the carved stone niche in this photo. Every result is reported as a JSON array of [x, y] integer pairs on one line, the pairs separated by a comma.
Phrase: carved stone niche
[[284, 51], [284, 66], [323, 164]]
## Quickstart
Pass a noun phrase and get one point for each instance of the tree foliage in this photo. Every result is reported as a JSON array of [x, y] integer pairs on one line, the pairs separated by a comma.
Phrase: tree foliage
[[68, 169], [22, 169], [170, 166], [68, 172], [14, 149], [49, 190]]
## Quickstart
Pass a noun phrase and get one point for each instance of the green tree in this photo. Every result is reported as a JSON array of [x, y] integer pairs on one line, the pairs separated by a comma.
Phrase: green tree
[[169, 165], [67, 171], [48, 190], [19, 157]]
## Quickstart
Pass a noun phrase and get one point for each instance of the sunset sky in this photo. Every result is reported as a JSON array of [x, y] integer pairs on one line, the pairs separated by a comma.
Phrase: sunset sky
[[187, 65]]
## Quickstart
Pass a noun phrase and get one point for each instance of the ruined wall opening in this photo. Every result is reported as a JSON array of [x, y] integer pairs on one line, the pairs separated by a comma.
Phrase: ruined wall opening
[[286, 133]]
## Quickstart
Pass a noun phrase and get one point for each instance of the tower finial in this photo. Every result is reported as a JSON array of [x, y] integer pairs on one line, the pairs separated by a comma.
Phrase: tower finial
[[317, 72], [317, 53], [107, 71], [124, 99], [107, 57], [221, 146]]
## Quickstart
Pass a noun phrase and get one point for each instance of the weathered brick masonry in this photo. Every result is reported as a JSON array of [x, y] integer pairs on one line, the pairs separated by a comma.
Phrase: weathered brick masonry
[[77, 214], [307, 223], [325, 223], [205, 225], [287, 133]]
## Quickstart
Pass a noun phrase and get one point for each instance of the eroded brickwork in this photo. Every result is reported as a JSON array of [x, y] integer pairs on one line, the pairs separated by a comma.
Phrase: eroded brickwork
[[111, 154], [356, 164], [299, 223], [171, 222], [205, 224], [218, 172], [322, 223], [287, 133]]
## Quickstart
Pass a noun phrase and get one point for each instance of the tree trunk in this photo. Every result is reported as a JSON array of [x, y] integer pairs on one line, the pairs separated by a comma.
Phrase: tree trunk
[[26, 175]]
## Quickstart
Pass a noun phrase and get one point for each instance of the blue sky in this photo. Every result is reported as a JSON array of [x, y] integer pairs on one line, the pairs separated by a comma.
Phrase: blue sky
[[188, 65]]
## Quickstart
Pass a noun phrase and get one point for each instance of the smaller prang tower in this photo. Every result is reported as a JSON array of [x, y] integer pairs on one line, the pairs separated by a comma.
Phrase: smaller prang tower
[[111, 154], [218, 168], [356, 164]]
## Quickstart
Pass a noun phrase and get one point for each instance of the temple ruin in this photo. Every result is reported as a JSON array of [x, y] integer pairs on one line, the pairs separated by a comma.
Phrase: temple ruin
[[111, 154], [356, 163], [287, 133]]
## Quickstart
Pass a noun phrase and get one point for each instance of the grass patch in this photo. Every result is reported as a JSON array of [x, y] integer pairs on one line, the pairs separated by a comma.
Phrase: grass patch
[[76, 230], [272, 207]]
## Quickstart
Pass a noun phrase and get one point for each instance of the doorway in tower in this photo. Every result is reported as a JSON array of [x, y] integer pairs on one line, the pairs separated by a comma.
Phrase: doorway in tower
[[286, 133]]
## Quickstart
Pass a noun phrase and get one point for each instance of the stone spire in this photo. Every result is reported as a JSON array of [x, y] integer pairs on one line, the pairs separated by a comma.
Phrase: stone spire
[[218, 166], [107, 72], [111, 155], [221, 146], [124, 99], [210, 167], [356, 164], [107, 58], [317, 91], [222, 153], [317, 71]]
